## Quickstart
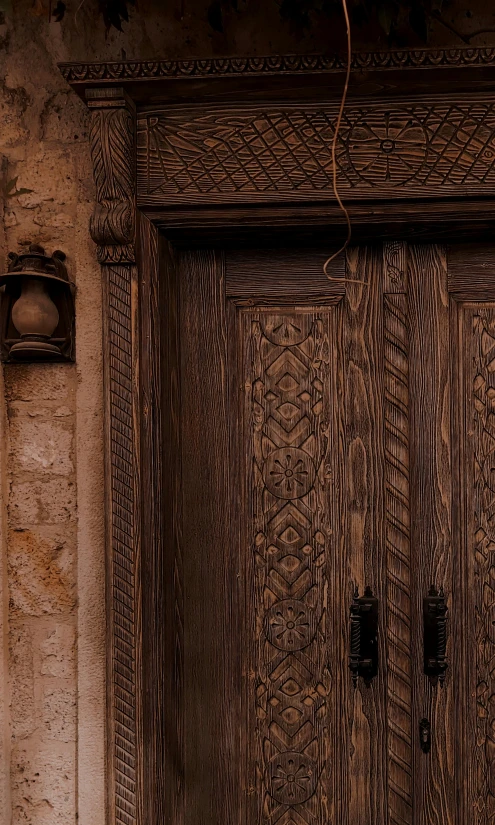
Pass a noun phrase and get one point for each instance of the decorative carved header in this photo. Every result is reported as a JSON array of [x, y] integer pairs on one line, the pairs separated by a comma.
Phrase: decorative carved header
[[427, 149], [288, 64]]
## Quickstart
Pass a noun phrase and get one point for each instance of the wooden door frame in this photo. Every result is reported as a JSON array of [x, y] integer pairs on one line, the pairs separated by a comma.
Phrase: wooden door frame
[[129, 226]]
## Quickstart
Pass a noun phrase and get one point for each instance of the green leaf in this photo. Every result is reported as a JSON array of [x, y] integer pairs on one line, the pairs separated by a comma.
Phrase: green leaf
[[417, 19], [11, 184], [21, 191], [215, 16], [387, 16]]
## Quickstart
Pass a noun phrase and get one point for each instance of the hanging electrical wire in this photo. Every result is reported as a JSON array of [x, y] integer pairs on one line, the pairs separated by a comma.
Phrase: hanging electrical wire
[[334, 156]]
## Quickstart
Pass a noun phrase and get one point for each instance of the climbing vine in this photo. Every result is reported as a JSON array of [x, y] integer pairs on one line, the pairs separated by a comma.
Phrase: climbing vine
[[396, 19]]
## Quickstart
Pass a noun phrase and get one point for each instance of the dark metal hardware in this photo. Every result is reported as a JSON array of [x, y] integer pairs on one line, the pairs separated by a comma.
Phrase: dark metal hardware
[[435, 635], [425, 735], [363, 660]]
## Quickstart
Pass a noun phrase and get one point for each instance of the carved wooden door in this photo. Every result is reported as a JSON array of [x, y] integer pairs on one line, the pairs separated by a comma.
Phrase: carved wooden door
[[334, 434]]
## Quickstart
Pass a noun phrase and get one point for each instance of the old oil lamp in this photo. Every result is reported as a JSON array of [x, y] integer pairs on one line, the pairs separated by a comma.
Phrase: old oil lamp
[[38, 293]]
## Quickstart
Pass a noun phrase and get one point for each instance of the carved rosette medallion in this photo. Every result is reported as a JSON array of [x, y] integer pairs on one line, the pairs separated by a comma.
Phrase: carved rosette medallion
[[291, 778], [288, 362]]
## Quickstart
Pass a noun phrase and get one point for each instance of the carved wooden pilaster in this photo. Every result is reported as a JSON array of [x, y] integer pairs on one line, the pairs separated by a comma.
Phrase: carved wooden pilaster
[[113, 230]]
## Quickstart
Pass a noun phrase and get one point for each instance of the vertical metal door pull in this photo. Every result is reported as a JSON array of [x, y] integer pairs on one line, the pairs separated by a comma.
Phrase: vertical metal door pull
[[435, 635], [363, 659]]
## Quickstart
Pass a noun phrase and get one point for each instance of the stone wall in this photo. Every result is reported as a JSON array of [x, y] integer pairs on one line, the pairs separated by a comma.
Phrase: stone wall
[[52, 624], [52, 620]]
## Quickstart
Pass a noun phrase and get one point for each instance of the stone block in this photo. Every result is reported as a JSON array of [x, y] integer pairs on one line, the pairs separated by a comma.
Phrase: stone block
[[40, 446], [56, 646], [41, 573], [21, 670], [39, 382], [43, 784], [58, 713], [51, 501]]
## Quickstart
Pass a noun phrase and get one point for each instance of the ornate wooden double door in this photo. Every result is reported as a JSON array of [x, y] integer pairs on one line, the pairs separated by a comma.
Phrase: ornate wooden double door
[[335, 435]]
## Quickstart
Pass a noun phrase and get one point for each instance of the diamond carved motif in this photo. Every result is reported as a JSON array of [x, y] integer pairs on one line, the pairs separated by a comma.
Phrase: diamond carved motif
[[289, 373]]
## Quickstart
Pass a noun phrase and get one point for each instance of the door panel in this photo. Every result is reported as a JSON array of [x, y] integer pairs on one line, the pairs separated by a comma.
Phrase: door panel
[[335, 434]]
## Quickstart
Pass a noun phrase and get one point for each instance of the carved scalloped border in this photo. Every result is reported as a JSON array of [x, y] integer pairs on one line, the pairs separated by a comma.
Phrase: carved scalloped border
[[288, 64]]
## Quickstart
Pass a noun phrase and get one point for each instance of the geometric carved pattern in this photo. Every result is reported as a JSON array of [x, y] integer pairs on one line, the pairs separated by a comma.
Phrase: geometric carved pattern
[[272, 152], [484, 578], [288, 363], [396, 410]]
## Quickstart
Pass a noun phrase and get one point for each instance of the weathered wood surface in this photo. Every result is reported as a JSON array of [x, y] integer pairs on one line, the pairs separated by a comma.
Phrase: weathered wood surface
[[431, 511], [364, 711], [209, 474]]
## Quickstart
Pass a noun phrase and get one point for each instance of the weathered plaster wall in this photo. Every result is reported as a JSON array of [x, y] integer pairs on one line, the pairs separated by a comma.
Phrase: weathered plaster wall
[[52, 622]]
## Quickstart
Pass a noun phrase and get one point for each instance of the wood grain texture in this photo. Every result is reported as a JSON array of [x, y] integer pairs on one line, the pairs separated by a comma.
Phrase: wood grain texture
[[364, 714], [398, 543], [471, 272], [291, 276], [162, 646], [431, 503], [437, 220], [210, 474], [287, 355]]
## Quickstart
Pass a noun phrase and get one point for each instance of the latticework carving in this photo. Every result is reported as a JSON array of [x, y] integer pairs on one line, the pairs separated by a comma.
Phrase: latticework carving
[[277, 152], [276, 64], [397, 503], [289, 362], [484, 538]]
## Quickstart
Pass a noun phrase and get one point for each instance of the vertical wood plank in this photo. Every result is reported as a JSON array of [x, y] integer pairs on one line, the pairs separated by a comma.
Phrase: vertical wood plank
[[161, 549], [431, 501], [363, 370], [211, 689]]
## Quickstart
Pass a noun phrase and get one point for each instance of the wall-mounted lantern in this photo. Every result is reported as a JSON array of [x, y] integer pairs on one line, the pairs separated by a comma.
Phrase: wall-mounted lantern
[[37, 308]]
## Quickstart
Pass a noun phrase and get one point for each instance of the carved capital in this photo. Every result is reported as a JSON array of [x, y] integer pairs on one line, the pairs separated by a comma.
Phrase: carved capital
[[112, 140]]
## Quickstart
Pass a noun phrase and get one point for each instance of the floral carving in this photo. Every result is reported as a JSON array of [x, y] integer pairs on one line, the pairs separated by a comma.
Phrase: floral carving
[[288, 374], [290, 625]]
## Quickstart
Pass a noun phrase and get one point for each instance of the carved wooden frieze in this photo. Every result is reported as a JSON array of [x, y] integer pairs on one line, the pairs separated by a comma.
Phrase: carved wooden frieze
[[288, 362], [383, 150], [274, 64]]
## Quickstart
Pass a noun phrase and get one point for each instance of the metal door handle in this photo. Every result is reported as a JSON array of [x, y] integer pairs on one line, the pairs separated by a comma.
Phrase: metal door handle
[[363, 659], [435, 635]]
